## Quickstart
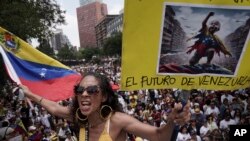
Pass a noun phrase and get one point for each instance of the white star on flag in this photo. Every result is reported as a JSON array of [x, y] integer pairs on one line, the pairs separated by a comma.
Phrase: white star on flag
[[43, 73]]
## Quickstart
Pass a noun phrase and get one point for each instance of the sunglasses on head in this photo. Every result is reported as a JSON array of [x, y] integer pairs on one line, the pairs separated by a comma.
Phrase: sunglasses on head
[[90, 89]]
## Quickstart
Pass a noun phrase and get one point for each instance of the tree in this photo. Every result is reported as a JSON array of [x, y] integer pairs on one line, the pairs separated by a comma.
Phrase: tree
[[89, 52], [113, 45], [46, 49], [66, 53], [30, 18]]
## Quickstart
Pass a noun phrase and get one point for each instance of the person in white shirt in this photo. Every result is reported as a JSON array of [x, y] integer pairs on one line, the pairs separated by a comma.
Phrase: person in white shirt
[[204, 130], [183, 135], [228, 96], [45, 119], [158, 104], [62, 131], [224, 124], [212, 109], [130, 110], [211, 123]]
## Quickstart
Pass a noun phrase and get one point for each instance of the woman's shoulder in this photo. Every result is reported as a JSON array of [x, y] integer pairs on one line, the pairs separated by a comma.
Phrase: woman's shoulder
[[120, 118], [118, 115]]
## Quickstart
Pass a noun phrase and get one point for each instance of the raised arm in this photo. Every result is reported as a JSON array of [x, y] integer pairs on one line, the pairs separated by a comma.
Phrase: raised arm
[[204, 23], [52, 107], [152, 133]]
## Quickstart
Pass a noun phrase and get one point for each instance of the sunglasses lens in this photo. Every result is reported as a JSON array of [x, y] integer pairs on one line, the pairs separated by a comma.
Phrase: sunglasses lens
[[92, 89], [79, 90]]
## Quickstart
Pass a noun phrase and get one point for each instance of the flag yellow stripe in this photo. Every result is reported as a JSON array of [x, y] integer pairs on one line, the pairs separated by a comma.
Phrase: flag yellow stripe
[[25, 51]]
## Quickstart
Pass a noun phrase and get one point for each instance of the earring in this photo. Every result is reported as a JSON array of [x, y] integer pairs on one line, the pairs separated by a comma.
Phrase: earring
[[78, 117], [103, 111]]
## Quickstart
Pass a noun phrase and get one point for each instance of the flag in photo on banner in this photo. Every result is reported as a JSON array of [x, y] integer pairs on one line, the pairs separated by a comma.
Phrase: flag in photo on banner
[[42, 74]]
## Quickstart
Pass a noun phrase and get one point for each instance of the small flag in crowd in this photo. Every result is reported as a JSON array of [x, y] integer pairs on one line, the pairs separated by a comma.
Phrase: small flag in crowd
[[42, 74]]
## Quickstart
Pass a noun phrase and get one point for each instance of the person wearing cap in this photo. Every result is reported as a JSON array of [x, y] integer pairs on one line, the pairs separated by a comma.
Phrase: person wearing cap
[[198, 116], [196, 108]]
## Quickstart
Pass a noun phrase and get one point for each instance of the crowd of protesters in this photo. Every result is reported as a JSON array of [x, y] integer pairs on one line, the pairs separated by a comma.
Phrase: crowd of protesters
[[212, 112]]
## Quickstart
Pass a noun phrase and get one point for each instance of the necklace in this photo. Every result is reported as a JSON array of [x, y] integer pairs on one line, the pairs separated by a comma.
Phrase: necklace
[[87, 126], [87, 132]]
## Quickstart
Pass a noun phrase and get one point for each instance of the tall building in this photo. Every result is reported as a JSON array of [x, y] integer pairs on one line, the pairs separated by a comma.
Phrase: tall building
[[101, 29], [88, 15], [85, 2], [115, 25], [58, 40], [166, 43]]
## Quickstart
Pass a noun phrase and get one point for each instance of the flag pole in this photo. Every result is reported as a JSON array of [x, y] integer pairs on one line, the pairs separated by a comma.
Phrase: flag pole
[[12, 72]]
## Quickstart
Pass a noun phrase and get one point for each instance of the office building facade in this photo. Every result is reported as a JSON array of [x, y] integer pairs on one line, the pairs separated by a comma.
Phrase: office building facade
[[88, 16]]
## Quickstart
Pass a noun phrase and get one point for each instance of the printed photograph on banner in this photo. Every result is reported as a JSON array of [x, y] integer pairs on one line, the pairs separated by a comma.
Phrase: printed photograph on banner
[[202, 39]]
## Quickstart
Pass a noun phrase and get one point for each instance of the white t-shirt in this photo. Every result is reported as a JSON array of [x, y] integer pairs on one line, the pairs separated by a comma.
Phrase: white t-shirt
[[204, 130], [183, 137], [212, 126], [215, 110], [225, 124], [229, 97], [45, 120]]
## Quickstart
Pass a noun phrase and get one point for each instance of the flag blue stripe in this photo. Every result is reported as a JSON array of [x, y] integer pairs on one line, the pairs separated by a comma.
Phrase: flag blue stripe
[[37, 72]]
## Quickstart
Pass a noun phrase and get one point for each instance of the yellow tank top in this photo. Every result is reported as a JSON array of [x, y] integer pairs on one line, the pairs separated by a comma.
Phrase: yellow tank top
[[104, 136]]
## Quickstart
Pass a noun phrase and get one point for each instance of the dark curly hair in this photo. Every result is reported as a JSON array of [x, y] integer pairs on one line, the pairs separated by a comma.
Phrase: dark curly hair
[[106, 90]]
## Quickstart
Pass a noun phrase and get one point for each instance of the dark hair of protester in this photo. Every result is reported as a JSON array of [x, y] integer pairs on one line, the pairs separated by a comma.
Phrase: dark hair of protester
[[182, 128], [106, 90]]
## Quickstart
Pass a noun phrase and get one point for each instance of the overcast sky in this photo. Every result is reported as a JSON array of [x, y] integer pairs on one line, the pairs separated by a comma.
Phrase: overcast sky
[[71, 28]]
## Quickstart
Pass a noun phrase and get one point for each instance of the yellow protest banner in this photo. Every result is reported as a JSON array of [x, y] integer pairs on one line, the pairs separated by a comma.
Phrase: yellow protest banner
[[186, 44]]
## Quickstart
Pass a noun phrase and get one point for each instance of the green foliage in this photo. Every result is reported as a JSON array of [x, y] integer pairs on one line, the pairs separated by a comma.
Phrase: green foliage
[[88, 53], [30, 18], [78, 55], [113, 45], [46, 49], [66, 53]]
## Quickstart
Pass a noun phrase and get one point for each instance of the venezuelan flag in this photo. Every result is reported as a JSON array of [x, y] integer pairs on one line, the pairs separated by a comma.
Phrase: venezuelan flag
[[43, 75]]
